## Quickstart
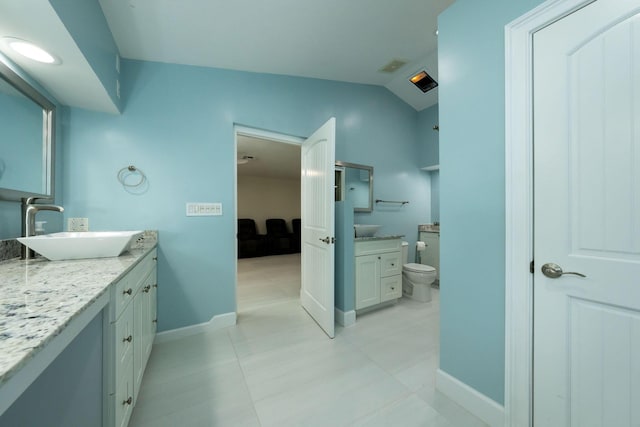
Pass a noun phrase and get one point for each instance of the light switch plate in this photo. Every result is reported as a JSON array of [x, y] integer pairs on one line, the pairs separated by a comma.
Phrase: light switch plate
[[204, 209], [77, 224]]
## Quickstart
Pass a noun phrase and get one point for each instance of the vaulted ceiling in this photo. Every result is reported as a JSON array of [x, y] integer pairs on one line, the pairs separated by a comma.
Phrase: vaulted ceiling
[[344, 40], [331, 39]]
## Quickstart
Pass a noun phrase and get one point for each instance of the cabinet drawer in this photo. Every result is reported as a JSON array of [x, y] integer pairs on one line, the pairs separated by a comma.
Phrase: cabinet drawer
[[390, 264], [123, 294], [126, 288], [374, 246], [390, 288]]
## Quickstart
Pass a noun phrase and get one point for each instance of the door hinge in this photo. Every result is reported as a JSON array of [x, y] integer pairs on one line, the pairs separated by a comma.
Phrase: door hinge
[[531, 267], [333, 240]]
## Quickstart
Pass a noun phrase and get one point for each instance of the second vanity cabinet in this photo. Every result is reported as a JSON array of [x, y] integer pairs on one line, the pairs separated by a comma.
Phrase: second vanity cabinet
[[129, 332], [378, 271]]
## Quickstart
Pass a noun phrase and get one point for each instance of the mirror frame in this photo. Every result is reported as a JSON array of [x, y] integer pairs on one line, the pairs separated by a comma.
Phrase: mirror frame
[[363, 167], [48, 136]]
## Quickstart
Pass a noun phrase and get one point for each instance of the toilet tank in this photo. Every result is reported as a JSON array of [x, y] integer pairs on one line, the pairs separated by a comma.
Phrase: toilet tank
[[405, 252]]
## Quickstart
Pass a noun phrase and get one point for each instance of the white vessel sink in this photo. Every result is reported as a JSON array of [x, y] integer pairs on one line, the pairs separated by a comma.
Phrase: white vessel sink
[[366, 230], [78, 245]]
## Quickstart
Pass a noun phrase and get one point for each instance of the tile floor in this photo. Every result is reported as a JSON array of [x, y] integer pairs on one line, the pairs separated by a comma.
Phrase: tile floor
[[277, 368]]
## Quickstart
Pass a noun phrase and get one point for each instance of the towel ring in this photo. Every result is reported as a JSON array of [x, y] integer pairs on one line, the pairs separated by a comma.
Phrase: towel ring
[[130, 170]]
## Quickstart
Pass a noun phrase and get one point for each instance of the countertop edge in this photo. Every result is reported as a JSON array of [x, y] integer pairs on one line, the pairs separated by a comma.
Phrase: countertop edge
[[365, 239]]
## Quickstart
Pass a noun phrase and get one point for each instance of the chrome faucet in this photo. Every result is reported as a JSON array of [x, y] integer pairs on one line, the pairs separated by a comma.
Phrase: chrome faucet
[[29, 211]]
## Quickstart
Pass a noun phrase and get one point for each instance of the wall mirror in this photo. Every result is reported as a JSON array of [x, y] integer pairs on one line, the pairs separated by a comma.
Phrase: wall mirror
[[27, 139], [354, 182]]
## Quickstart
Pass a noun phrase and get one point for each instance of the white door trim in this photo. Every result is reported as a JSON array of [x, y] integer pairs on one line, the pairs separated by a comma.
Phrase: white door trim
[[519, 204]]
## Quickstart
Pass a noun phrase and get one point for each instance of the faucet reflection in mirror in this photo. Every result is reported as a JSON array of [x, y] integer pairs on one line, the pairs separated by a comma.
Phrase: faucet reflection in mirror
[[30, 209]]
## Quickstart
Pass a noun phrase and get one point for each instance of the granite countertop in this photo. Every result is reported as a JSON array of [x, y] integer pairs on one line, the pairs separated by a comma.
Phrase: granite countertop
[[39, 298], [362, 239], [429, 228]]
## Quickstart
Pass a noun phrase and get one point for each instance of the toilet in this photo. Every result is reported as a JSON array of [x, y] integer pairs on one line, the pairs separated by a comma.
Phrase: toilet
[[416, 278]]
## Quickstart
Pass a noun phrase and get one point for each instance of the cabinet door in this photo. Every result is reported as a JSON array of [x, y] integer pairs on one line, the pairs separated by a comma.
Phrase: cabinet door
[[123, 337], [123, 397], [154, 306], [139, 313], [367, 281], [390, 288], [149, 316]]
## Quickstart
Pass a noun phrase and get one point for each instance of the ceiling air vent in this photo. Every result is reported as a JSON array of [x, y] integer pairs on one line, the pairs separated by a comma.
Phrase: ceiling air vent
[[423, 81], [392, 66]]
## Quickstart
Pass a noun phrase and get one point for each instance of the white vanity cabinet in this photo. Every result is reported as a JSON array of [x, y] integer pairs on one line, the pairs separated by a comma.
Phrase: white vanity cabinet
[[129, 333], [431, 254], [378, 271]]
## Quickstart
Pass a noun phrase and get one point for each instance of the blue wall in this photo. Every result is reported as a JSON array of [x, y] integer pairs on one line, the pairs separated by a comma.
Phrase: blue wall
[[345, 294], [88, 26], [429, 141], [435, 196], [471, 104], [177, 126], [429, 138]]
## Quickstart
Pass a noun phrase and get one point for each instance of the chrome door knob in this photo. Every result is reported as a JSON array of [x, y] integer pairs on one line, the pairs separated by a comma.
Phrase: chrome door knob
[[553, 271]]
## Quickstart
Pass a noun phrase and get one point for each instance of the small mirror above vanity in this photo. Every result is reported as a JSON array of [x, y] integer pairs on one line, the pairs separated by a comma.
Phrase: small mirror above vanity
[[354, 182], [27, 143]]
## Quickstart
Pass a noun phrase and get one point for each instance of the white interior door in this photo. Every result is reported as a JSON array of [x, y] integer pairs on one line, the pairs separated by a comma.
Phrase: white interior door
[[587, 217], [317, 185]]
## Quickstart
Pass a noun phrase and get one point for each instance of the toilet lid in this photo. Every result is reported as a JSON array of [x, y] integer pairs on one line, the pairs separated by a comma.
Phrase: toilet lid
[[418, 268]]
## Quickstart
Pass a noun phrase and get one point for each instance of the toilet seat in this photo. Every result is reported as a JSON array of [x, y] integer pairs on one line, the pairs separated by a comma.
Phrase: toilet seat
[[418, 268]]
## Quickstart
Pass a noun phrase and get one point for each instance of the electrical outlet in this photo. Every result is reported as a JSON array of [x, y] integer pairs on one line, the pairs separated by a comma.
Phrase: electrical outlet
[[78, 224], [204, 209]]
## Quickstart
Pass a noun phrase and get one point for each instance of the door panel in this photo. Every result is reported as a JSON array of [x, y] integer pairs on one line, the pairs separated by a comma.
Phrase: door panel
[[587, 217], [317, 293]]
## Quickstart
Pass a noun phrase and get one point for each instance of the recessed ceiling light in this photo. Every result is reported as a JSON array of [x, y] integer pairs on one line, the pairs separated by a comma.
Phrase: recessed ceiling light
[[31, 51], [243, 159]]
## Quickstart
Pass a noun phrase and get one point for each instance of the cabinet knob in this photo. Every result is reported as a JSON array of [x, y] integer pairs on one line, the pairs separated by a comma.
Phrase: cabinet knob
[[128, 339], [128, 401], [146, 289], [393, 265], [127, 292], [393, 289], [155, 285], [379, 258]]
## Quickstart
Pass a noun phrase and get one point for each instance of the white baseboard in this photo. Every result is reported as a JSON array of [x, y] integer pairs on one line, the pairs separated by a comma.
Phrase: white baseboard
[[217, 322], [345, 318], [472, 400]]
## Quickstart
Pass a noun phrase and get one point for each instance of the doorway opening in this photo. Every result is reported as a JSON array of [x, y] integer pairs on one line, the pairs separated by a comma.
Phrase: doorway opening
[[267, 192]]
